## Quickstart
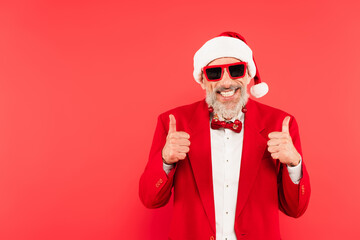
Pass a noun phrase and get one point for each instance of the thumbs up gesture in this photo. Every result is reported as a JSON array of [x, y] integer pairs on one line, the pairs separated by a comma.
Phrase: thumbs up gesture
[[281, 147], [177, 144]]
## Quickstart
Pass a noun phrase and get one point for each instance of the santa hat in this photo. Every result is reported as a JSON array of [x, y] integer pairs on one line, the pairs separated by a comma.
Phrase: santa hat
[[229, 44]]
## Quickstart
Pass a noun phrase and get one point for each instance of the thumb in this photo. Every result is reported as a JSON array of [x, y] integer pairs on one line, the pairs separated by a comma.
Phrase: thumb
[[172, 124], [285, 124]]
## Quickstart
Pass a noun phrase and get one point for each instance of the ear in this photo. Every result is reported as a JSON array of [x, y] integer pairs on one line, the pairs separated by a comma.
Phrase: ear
[[248, 80], [202, 83]]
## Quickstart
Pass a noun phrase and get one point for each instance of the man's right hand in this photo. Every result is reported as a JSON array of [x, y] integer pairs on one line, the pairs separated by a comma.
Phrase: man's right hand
[[177, 144]]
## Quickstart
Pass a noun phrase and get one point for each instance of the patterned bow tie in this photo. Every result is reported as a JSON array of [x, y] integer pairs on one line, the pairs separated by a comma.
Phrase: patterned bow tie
[[236, 126]]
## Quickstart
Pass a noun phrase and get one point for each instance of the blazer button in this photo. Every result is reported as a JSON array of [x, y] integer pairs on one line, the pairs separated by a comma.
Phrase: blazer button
[[302, 189], [159, 183], [212, 238]]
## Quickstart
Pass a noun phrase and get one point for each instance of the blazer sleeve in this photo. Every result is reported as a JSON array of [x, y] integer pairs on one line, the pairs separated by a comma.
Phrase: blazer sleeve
[[155, 185], [294, 198]]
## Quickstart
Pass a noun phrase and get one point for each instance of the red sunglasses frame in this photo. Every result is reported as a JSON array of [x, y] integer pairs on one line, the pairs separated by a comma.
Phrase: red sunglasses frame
[[222, 70]]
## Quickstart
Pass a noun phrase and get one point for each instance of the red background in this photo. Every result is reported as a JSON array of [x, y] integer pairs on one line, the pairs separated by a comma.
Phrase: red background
[[82, 83]]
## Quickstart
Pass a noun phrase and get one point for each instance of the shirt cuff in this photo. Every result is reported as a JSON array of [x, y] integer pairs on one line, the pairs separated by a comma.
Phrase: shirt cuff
[[295, 172], [167, 167]]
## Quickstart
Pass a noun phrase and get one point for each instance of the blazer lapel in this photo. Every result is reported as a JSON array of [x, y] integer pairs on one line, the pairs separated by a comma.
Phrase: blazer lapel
[[254, 146], [200, 159]]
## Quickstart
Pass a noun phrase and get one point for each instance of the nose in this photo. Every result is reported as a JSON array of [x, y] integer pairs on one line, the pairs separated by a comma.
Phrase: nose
[[226, 81]]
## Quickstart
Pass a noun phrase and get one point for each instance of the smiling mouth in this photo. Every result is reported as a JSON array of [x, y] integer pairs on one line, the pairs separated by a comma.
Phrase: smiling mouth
[[228, 92]]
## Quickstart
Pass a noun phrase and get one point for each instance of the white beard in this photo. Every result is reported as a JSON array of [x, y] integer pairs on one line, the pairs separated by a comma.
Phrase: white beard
[[224, 110]]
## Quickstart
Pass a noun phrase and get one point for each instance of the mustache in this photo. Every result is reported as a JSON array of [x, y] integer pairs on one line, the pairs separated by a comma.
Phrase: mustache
[[232, 87]]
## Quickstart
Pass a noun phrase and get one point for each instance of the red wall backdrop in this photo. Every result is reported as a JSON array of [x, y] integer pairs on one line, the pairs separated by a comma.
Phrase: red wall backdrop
[[76, 76]]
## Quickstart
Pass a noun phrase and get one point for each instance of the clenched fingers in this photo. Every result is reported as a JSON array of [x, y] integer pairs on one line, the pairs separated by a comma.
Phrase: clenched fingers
[[179, 141], [274, 149], [278, 135], [181, 156], [179, 134], [183, 149], [277, 141]]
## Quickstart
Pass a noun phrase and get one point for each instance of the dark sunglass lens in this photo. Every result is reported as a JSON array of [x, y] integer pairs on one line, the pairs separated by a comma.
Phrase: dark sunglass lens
[[237, 70], [213, 73]]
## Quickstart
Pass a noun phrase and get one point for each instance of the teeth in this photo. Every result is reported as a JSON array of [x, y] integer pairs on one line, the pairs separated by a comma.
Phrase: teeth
[[227, 94]]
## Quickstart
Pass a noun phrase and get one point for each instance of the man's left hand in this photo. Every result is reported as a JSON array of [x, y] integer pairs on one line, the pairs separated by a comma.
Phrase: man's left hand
[[281, 146]]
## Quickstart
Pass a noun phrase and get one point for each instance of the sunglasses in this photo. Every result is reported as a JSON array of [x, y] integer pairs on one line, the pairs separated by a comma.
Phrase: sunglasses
[[216, 72]]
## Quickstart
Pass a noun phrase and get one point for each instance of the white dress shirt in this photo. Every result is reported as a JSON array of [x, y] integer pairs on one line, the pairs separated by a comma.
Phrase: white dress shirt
[[226, 151]]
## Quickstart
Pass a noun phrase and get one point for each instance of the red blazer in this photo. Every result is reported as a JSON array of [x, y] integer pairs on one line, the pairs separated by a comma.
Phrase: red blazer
[[264, 184]]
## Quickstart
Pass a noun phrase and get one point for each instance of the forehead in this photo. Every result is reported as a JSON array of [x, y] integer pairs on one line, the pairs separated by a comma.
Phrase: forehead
[[224, 60]]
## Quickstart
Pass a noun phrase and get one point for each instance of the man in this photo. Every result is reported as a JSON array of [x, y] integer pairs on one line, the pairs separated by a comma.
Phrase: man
[[231, 161]]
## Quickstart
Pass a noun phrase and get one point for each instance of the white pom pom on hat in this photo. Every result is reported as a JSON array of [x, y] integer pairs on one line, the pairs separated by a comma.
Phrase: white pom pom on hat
[[229, 44]]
